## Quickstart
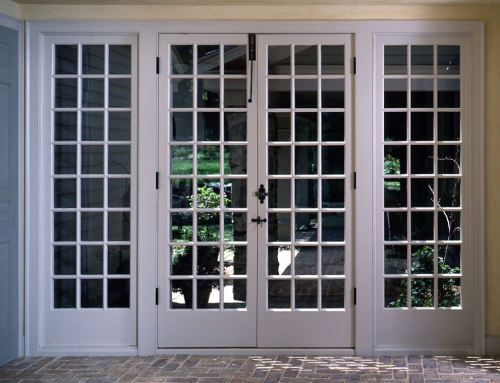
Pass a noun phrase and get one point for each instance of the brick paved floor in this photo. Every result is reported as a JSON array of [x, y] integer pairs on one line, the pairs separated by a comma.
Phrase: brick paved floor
[[265, 369]]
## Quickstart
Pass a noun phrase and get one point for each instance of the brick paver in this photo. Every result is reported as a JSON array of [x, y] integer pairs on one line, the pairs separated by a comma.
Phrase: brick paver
[[258, 369]]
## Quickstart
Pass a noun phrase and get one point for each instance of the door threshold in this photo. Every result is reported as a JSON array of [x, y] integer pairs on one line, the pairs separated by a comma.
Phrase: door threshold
[[258, 351]]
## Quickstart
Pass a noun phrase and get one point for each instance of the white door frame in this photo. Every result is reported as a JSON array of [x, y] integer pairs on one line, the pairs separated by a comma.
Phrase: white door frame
[[147, 32]]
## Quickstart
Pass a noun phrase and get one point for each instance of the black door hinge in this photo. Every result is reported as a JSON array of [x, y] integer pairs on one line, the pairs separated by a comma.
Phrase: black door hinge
[[354, 297], [156, 296], [354, 65], [157, 65], [157, 180], [354, 181], [252, 55]]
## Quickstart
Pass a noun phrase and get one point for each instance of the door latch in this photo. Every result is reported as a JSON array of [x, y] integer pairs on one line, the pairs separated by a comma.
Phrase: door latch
[[261, 193], [259, 221]]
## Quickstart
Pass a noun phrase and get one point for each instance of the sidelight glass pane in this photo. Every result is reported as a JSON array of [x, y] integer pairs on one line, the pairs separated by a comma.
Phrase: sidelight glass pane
[[332, 126], [119, 124], [279, 227], [118, 293], [332, 160], [65, 293], [332, 227], [118, 192], [395, 260], [332, 93], [306, 59], [181, 59], [306, 260], [422, 93], [92, 226], [306, 294], [92, 159], [92, 192], [119, 259], [449, 292], [332, 193], [92, 126], [395, 192], [92, 259], [65, 126], [235, 93], [395, 59], [449, 226], [235, 59], [332, 260], [64, 260], [422, 159], [235, 126], [395, 126], [422, 192], [92, 93], [395, 293], [306, 193], [449, 192], [332, 293], [332, 59], [279, 127], [448, 57], [422, 292], [422, 226], [65, 193], [279, 294], [395, 226], [278, 59], [181, 95], [422, 59], [66, 59], [64, 227], [208, 93], [449, 126], [279, 95], [119, 226], [208, 59], [395, 93], [449, 159], [65, 92], [422, 260], [120, 59], [422, 126], [93, 59], [119, 159], [91, 293], [119, 93]]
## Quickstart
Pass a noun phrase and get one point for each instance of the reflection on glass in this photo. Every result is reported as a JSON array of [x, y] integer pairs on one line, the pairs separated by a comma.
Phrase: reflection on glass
[[332, 260], [181, 126], [449, 192], [306, 227], [395, 294], [279, 294], [422, 292], [235, 225], [92, 226], [92, 192], [64, 260], [93, 92], [208, 93], [449, 159], [119, 93], [181, 260], [449, 292], [332, 160], [64, 227], [448, 93], [422, 226], [283, 165], [279, 260], [93, 59], [208, 159], [422, 159], [306, 126], [279, 94], [279, 127], [448, 57], [181, 93], [422, 59], [119, 126], [395, 259], [422, 192], [422, 93], [235, 93], [235, 260], [449, 261], [332, 227], [449, 226], [119, 226], [92, 159], [306, 159], [395, 126], [235, 59], [66, 59], [306, 193], [181, 159], [395, 226], [65, 293], [65, 126], [92, 126], [120, 59], [395, 95], [180, 226], [395, 192], [278, 59], [306, 59], [235, 190], [235, 159], [395, 157], [235, 294], [279, 227], [332, 126], [332, 293], [207, 293], [235, 126], [65, 193], [119, 159], [422, 260], [118, 293], [91, 259], [332, 59], [332, 93], [306, 260], [395, 59], [118, 259], [208, 126], [118, 192], [332, 193], [208, 59], [448, 126], [65, 93], [91, 293], [181, 59], [181, 294], [422, 126], [306, 294], [306, 93], [279, 195], [208, 228]]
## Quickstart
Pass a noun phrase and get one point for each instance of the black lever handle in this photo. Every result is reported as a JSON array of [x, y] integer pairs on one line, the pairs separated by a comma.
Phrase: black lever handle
[[259, 221]]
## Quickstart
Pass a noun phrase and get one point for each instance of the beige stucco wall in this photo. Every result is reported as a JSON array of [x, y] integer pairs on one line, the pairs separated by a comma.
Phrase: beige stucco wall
[[489, 14], [9, 8]]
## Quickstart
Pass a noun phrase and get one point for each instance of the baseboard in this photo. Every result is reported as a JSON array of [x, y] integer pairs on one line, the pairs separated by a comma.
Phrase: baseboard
[[493, 345], [258, 351], [424, 350], [87, 351]]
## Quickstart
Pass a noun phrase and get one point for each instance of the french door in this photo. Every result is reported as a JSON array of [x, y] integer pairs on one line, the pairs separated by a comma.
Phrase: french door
[[255, 205]]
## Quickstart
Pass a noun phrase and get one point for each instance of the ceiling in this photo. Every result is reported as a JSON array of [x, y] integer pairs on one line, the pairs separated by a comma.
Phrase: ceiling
[[259, 2]]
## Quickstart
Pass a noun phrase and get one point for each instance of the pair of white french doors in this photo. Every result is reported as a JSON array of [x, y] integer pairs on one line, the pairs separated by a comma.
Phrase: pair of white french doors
[[255, 191]]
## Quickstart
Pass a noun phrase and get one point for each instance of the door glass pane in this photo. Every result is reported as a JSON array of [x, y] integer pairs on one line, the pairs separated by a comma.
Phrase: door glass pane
[[235, 159], [64, 227], [332, 193], [332, 126], [279, 127], [93, 93], [118, 293], [422, 192], [332, 93], [65, 293], [92, 159], [332, 293], [93, 59], [92, 226], [208, 59], [395, 158], [235, 126], [449, 226], [279, 260], [278, 59], [91, 293], [182, 126], [332, 260], [422, 260], [332, 160], [65, 92], [306, 260], [119, 259], [64, 260], [92, 192], [119, 192], [333, 227], [306, 126], [235, 93], [448, 126], [181, 59], [422, 226], [449, 192], [449, 159], [422, 126], [395, 192], [208, 93], [306, 294], [395, 259], [279, 193], [92, 126], [422, 159], [448, 57], [279, 95], [208, 128], [235, 59], [448, 93], [422, 59], [279, 227], [181, 95], [64, 193], [395, 59], [91, 259], [422, 94], [66, 59], [332, 59], [306, 59], [279, 294], [181, 159], [306, 227], [395, 226], [119, 226], [395, 95], [65, 126], [119, 126], [395, 126], [422, 292], [120, 59], [283, 166], [306, 159]]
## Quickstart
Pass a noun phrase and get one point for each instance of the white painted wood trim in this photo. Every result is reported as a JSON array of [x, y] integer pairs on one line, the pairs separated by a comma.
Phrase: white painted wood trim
[[87, 351], [258, 351]]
